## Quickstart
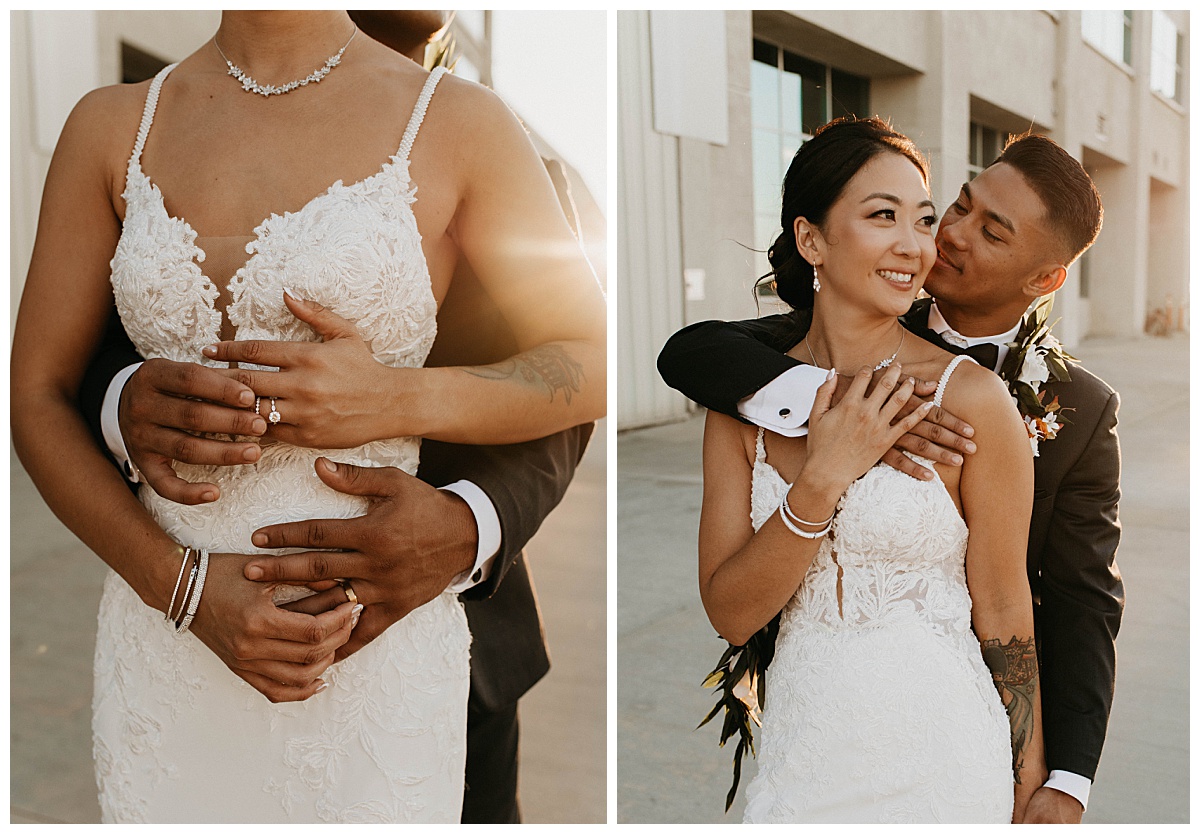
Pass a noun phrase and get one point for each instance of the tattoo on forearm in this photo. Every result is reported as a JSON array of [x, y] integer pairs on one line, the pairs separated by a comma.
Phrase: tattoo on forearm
[[548, 366], [1015, 673]]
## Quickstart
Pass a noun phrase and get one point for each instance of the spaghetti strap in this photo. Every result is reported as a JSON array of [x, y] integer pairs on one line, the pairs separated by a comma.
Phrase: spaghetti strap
[[135, 160], [418, 114], [941, 389]]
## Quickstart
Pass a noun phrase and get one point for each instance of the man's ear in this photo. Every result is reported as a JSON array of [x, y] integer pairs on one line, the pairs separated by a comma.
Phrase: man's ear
[[1046, 280], [809, 241]]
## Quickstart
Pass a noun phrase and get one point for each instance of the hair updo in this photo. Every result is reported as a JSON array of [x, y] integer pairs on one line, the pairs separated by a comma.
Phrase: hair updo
[[815, 180]]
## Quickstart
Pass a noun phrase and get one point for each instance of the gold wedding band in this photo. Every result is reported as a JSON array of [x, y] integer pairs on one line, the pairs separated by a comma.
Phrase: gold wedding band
[[350, 595]]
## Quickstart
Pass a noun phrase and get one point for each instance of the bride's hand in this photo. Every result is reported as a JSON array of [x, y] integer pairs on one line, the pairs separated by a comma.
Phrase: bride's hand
[[847, 439], [324, 392], [280, 653]]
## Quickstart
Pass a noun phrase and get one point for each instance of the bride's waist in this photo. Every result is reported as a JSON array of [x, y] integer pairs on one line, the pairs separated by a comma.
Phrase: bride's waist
[[401, 452]]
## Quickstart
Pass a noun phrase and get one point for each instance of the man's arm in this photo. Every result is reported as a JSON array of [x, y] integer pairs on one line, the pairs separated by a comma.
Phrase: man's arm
[[739, 369], [1082, 598], [524, 482], [718, 364]]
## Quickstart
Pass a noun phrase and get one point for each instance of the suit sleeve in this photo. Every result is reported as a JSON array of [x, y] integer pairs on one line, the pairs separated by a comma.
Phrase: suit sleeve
[[718, 363], [1082, 598], [524, 481], [116, 353]]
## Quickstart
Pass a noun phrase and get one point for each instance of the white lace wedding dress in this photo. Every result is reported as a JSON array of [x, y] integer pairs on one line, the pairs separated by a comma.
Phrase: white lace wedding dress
[[880, 708], [178, 737]]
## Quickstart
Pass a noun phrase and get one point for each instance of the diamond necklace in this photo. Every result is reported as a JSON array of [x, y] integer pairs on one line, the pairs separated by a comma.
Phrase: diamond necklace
[[883, 363], [252, 86]]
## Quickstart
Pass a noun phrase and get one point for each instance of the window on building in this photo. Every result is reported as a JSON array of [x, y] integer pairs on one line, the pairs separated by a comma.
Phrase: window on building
[[985, 146], [1110, 31], [1166, 57], [790, 97]]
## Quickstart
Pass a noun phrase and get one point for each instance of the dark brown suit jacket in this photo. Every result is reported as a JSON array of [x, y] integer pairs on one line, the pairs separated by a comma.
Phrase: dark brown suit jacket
[[1073, 534]]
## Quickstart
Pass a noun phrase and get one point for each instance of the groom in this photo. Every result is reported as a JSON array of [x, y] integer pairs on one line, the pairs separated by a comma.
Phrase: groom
[[415, 540], [1006, 241]]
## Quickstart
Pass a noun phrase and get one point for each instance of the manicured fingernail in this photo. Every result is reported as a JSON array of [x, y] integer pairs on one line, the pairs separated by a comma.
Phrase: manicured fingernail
[[832, 373], [956, 460], [208, 495], [258, 425], [246, 398], [260, 540], [970, 447], [250, 454], [329, 465], [322, 687], [211, 350], [356, 610], [292, 294], [254, 572], [968, 431], [927, 475]]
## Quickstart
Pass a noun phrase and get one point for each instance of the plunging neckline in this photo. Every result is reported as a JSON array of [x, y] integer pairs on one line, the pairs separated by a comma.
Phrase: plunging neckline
[[256, 236]]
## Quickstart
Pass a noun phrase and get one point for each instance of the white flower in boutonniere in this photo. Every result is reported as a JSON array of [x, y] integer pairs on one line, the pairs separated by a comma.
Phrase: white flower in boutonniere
[[1035, 358], [1033, 370]]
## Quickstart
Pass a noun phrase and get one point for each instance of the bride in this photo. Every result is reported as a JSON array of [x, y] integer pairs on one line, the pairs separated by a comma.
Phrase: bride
[[156, 194], [895, 622]]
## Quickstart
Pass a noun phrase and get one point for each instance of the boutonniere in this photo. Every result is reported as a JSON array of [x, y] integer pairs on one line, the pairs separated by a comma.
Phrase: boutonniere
[[1034, 358]]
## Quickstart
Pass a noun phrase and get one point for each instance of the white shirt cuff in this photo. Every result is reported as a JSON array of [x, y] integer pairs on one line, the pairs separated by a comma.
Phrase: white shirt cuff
[[110, 425], [784, 403], [487, 522], [1071, 784]]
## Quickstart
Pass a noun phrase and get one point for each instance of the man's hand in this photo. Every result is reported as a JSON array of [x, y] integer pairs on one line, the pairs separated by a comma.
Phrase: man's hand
[[165, 405], [324, 391], [1050, 805], [941, 437], [408, 548]]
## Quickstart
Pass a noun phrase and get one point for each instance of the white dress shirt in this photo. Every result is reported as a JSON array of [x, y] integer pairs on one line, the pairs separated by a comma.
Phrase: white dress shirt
[[487, 521], [783, 406]]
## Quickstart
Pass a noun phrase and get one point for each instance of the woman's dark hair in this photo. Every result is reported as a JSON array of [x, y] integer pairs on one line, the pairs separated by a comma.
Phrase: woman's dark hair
[[816, 178]]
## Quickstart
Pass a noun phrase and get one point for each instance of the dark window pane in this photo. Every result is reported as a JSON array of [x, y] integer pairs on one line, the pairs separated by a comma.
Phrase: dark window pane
[[849, 95], [766, 54], [813, 110]]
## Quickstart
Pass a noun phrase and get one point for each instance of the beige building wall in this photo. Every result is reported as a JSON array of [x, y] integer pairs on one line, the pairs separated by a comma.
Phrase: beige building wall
[[934, 73]]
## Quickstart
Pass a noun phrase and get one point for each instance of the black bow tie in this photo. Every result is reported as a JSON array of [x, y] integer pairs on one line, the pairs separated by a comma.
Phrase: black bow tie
[[985, 354]]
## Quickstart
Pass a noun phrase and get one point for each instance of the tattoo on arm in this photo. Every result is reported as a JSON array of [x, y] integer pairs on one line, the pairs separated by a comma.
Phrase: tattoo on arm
[[548, 366], [1015, 673]]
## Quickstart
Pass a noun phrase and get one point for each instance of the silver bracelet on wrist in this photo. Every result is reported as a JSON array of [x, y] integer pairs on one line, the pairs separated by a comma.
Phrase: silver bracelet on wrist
[[187, 551], [194, 600], [187, 592], [816, 534], [787, 508]]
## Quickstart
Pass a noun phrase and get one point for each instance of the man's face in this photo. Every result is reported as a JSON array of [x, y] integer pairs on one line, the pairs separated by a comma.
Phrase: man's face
[[991, 240]]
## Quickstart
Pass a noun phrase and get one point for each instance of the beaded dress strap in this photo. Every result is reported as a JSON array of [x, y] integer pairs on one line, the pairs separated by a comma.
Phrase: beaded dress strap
[[760, 446], [941, 389], [418, 114], [148, 114]]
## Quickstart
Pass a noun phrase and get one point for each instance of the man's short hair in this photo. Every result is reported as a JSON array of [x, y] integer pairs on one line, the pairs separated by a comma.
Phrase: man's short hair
[[1073, 207]]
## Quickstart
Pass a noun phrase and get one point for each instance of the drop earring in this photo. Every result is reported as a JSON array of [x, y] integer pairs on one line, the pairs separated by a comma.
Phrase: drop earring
[[816, 280]]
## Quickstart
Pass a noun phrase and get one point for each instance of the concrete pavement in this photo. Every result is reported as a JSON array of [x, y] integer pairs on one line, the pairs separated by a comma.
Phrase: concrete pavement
[[669, 773], [55, 591]]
